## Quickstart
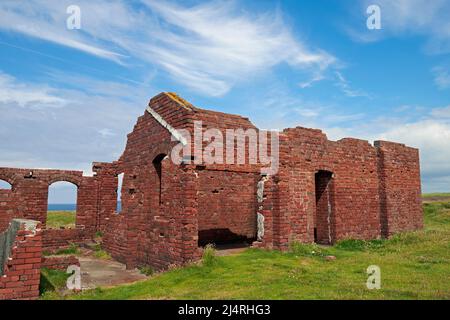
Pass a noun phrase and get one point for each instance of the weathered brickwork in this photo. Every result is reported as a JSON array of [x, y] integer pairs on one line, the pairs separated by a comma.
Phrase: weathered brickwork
[[226, 205], [29, 196], [21, 271], [399, 173], [324, 191], [59, 262]]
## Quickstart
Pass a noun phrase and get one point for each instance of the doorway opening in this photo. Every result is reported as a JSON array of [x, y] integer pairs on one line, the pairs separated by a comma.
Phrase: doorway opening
[[324, 213]]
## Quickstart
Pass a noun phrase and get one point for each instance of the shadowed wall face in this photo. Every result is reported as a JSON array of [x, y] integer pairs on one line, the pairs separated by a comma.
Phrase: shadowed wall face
[[226, 206]]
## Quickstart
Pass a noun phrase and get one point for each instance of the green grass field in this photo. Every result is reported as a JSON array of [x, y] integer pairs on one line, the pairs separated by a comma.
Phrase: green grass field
[[437, 194], [58, 219], [413, 265]]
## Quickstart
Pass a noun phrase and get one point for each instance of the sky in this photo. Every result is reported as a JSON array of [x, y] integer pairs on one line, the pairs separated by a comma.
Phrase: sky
[[68, 96]]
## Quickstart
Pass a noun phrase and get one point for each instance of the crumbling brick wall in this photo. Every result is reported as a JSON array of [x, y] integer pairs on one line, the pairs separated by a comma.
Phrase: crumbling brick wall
[[28, 199], [400, 189], [324, 191], [59, 262], [21, 274], [372, 188], [8, 208], [355, 206]]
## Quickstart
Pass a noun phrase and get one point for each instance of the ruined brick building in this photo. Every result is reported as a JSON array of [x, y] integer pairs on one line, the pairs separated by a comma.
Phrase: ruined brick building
[[323, 191]]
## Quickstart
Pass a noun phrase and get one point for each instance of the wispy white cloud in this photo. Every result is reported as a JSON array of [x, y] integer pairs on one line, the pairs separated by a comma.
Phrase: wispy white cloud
[[46, 20], [20, 94], [208, 47], [345, 87], [315, 78], [441, 77], [85, 127]]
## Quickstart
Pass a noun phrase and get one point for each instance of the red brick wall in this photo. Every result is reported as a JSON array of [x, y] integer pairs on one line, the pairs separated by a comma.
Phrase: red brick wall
[[147, 231], [22, 271], [355, 214], [29, 199], [373, 192], [7, 208], [59, 262], [54, 239], [400, 190], [226, 205]]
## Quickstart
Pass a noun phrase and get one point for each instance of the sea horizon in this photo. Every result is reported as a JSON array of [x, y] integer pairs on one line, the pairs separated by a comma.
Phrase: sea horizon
[[67, 206]]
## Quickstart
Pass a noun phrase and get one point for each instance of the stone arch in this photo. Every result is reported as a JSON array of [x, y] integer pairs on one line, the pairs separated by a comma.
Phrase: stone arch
[[64, 178], [10, 178]]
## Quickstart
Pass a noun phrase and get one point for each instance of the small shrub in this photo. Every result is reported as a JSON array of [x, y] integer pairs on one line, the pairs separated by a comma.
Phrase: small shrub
[[99, 234], [209, 255], [147, 270], [102, 254]]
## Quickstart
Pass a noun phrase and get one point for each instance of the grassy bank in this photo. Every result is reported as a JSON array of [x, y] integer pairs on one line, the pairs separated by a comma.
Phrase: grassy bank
[[437, 194], [58, 219], [413, 266]]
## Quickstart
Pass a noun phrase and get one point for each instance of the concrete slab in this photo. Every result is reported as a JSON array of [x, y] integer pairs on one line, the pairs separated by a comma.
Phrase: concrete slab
[[105, 273]]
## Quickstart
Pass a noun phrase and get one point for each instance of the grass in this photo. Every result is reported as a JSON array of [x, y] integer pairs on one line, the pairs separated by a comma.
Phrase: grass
[[147, 270], [414, 265], [209, 257], [58, 219], [52, 281], [72, 249], [437, 194], [99, 253]]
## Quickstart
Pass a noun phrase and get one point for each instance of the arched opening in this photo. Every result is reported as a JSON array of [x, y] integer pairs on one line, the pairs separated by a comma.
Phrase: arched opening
[[119, 192], [4, 185], [157, 164], [62, 205], [324, 214]]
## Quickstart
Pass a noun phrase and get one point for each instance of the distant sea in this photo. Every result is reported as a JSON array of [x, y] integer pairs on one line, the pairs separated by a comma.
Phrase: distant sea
[[62, 207], [69, 206]]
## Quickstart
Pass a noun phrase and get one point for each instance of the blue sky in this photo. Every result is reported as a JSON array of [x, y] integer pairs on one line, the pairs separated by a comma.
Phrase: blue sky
[[69, 97]]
